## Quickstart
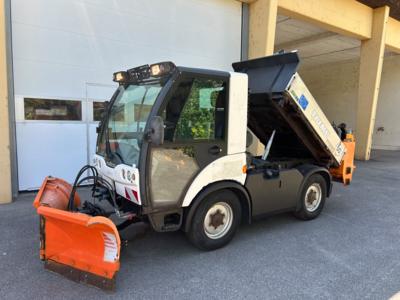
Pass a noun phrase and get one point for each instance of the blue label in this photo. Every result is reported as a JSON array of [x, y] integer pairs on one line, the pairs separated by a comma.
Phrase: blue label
[[303, 102]]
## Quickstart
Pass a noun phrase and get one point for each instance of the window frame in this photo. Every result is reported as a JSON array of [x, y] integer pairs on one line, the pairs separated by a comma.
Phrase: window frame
[[91, 103], [193, 76], [82, 110]]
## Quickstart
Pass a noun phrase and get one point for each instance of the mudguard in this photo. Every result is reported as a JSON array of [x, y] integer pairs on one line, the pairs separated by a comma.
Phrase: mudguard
[[78, 246]]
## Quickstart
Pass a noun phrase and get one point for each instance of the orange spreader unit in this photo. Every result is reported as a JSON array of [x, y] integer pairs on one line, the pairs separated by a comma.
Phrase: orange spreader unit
[[344, 172], [76, 245]]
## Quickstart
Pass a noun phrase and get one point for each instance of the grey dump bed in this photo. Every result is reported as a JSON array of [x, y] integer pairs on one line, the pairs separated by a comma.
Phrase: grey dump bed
[[279, 100]]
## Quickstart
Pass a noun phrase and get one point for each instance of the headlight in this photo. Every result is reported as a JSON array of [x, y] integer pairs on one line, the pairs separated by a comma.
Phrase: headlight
[[120, 76], [155, 70], [160, 69]]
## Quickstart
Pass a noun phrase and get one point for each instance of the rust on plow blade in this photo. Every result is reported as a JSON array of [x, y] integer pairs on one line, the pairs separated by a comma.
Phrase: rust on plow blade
[[78, 246]]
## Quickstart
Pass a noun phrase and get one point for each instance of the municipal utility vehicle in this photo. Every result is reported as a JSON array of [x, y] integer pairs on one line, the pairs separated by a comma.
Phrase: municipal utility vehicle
[[177, 148]]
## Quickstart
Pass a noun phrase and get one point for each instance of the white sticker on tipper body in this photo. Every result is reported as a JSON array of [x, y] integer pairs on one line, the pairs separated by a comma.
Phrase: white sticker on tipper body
[[110, 247], [319, 123]]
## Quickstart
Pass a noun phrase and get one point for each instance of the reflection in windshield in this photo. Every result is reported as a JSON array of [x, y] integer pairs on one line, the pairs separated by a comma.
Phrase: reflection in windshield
[[126, 123]]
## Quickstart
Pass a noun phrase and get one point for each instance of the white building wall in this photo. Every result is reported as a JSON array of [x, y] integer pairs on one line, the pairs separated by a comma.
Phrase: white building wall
[[388, 111], [335, 88], [58, 45], [69, 49]]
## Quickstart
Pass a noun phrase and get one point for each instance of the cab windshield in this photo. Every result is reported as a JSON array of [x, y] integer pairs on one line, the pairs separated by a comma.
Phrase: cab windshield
[[122, 133]]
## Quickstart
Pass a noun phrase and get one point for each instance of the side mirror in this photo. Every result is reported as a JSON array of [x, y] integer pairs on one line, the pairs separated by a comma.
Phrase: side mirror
[[156, 132]]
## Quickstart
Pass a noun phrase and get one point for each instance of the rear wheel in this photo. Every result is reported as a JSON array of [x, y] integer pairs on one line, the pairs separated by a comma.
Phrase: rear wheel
[[215, 221], [312, 198]]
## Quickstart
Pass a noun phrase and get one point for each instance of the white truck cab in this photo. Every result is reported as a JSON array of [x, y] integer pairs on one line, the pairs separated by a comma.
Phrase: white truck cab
[[171, 141]]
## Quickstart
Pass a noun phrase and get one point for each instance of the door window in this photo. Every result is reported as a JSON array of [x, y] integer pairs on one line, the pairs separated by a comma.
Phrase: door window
[[178, 163], [196, 111]]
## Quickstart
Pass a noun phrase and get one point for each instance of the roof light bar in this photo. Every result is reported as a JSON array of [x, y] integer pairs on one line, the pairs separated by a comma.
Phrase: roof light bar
[[144, 72]]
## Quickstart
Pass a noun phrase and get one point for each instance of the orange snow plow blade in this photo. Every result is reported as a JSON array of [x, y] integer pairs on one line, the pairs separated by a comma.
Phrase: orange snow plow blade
[[78, 246]]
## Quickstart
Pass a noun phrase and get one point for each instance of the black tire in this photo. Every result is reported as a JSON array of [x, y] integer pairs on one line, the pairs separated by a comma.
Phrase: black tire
[[305, 212], [197, 232]]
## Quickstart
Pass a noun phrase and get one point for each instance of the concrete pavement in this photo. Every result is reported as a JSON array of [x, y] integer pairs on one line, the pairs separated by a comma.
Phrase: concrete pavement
[[352, 251]]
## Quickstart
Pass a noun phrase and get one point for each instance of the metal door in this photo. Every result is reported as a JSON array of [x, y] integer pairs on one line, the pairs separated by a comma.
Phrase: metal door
[[56, 136], [51, 139], [195, 135]]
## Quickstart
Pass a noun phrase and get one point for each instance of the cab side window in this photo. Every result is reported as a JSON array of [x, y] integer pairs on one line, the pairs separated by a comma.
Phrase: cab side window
[[196, 111]]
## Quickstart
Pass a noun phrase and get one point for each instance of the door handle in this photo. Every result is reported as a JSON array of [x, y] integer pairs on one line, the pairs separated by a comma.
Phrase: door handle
[[215, 150]]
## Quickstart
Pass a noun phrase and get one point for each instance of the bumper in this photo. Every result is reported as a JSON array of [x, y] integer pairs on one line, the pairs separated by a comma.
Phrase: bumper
[[118, 175]]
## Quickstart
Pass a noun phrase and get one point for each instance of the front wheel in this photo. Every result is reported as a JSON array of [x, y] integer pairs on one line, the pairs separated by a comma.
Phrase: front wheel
[[215, 220], [312, 198]]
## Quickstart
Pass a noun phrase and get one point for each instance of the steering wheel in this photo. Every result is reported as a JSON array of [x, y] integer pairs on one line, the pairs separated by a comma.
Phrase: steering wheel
[[119, 156]]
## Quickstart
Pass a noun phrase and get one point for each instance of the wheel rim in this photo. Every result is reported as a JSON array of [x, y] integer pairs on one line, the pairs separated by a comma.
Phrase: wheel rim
[[313, 197], [218, 220]]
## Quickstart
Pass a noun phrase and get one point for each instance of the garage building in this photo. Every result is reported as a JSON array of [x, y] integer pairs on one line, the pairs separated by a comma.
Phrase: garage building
[[57, 58]]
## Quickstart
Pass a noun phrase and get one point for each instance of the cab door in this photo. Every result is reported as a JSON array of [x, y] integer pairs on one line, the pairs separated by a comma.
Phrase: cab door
[[194, 115]]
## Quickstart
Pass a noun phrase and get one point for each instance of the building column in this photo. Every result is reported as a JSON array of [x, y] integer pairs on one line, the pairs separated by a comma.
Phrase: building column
[[262, 27], [5, 159], [371, 61]]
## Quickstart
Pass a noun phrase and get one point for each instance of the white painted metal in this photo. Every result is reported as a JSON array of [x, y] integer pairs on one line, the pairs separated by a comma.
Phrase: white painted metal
[[300, 95], [118, 176], [237, 113], [59, 46], [217, 231], [229, 167], [42, 149], [268, 146], [313, 197], [41, 144]]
